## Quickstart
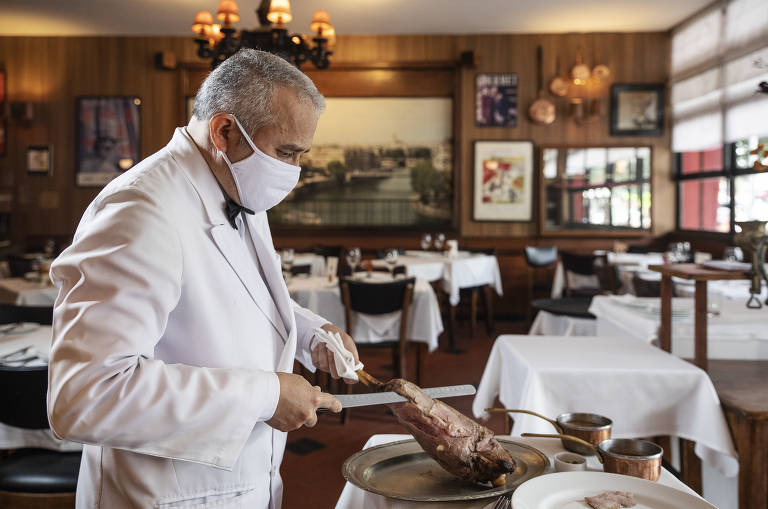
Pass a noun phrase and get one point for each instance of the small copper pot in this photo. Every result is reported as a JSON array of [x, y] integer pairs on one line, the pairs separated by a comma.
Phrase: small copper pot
[[592, 428], [627, 456]]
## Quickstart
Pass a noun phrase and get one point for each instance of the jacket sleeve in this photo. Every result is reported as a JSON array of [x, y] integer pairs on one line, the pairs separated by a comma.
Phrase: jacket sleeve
[[306, 321], [118, 282]]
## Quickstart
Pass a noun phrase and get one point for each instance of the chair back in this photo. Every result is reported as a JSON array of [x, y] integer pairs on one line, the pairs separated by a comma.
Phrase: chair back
[[23, 396], [638, 249], [300, 269], [18, 265], [540, 256], [645, 287], [582, 264], [376, 298], [10, 313], [491, 251], [400, 270], [326, 251]]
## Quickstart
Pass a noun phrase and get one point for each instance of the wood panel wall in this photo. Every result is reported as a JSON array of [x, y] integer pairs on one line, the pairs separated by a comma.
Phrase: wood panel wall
[[51, 72]]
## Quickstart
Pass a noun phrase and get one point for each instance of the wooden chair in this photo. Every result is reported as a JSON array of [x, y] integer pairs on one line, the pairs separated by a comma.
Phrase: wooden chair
[[646, 288], [538, 258], [29, 478], [298, 270], [378, 299], [583, 265], [19, 265]]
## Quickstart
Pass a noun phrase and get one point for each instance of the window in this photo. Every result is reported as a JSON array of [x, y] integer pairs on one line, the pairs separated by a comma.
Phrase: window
[[718, 187], [596, 188]]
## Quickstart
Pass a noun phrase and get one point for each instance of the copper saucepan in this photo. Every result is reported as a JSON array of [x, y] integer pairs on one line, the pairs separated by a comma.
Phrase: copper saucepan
[[592, 428], [627, 456]]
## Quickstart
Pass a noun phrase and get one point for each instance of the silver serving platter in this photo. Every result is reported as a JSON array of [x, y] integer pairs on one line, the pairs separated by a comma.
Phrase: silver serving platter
[[402, 470]]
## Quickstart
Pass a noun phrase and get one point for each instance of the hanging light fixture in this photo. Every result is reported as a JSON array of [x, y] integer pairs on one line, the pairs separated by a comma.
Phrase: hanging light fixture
[[218, 42]]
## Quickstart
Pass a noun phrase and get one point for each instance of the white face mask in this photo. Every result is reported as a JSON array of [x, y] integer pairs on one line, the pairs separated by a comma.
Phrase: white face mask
[[262, 181]]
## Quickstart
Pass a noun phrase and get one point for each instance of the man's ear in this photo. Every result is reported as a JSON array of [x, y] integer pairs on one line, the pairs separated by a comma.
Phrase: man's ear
[[224, 132]]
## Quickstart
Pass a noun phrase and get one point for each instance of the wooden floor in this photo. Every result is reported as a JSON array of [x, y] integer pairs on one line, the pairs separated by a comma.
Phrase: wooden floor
[[311, 467]]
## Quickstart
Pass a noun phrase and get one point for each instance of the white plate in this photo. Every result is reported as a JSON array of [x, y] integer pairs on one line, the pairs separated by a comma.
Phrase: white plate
[[566, 490], [727, 265]]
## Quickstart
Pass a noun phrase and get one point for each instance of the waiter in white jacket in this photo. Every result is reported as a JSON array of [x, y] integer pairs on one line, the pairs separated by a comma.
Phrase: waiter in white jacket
[[174, 335]]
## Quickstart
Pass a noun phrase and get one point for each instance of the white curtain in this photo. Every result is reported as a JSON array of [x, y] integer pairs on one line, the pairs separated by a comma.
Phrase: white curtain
[[716, 67]]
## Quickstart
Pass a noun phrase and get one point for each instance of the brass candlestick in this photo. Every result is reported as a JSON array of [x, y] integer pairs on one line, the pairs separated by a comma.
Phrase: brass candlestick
[[754, 238]]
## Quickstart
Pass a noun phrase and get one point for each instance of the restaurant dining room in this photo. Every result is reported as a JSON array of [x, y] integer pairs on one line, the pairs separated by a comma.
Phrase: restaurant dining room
[[353, 254]]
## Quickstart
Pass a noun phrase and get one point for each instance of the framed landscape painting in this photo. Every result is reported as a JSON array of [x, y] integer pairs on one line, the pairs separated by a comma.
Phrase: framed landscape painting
[[503, 181], [108, 135], [376, 162]]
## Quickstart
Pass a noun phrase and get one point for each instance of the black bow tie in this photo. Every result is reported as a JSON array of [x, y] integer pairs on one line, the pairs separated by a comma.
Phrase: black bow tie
[[233, 209]]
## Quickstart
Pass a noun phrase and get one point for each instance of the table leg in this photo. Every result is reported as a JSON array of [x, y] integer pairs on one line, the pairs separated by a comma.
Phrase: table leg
[[489, 325], [750, 437], [451, 328], [690, 465], [473, 313], [700, 325], [665, 329]]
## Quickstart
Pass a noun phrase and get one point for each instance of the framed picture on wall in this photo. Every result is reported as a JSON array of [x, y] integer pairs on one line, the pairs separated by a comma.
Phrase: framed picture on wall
[[496, 100], [503, 181], [39, 159], [637, 109], [108, 138]]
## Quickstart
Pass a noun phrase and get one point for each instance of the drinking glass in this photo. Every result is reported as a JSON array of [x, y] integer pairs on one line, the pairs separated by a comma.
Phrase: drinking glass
[[390, 257], [426, 241], [439, 241], [353, 258], [287, 257], [733, 254]]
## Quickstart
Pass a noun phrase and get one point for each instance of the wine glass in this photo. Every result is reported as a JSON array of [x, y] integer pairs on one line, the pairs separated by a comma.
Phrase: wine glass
[[426, 241], [286, 260], [439, 241], [390, 257], [353, 258]]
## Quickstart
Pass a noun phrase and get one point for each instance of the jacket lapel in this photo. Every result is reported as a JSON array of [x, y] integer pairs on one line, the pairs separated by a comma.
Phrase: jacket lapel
[[186, 154]]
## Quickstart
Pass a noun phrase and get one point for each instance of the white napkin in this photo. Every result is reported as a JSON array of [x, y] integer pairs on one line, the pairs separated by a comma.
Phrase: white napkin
[[342, 358]]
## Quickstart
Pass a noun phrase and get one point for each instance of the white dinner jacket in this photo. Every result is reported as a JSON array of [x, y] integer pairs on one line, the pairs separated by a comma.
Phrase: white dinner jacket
[[166, 341]]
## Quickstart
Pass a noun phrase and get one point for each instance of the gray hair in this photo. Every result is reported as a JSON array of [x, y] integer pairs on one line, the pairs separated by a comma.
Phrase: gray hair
[[244, 85]]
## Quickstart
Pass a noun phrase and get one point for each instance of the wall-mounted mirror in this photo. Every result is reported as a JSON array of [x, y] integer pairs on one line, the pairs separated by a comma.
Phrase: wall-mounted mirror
[[595, 190]]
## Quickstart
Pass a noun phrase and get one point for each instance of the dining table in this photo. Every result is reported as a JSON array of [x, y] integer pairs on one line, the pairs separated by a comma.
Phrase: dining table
[[734, 331], [646, 391], [353, 497], [26, 292], [323, 296], [28, 344]]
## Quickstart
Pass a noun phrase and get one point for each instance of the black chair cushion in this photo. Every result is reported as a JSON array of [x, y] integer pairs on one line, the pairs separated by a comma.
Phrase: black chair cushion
[[583, 264], [23, 392], [540, 256], [40, 471], [10, 313], [577, 307]]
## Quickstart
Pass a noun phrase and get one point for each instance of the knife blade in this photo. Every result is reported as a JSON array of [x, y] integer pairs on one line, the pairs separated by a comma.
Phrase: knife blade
[[384, 398]]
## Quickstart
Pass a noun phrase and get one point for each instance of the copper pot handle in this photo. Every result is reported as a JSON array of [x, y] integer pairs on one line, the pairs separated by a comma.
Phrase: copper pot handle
[[567, 437], [558, 428]]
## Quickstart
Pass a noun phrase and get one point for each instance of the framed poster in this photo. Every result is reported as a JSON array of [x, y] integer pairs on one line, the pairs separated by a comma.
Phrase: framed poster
[[503, 181], [39, 159], [108, 135], [637, 109], [496, 100]]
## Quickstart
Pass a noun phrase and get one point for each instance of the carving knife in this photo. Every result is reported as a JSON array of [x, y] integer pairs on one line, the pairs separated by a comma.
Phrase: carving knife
[[384, 398]]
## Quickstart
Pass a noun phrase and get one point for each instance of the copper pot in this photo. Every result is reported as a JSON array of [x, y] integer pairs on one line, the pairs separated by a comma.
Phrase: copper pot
[[626, 456], [592, 428]]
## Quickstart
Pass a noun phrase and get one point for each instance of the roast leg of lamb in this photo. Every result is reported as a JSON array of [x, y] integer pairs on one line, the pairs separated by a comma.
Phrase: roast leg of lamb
[[461, 446]]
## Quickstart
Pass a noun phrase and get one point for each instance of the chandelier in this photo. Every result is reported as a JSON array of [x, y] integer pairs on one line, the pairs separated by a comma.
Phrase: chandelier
[[217, 41]]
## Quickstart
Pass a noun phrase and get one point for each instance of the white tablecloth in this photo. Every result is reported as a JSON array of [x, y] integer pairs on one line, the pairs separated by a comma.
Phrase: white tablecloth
[[644, 390], [462, 271], [323, 297], [736, 333], [21, 292], [12, 437], [548, 324], [315, 261], [353, 497]]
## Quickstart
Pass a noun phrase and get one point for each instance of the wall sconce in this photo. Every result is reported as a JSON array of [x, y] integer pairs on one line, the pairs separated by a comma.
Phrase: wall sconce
[[20, 112], [586, 89]]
